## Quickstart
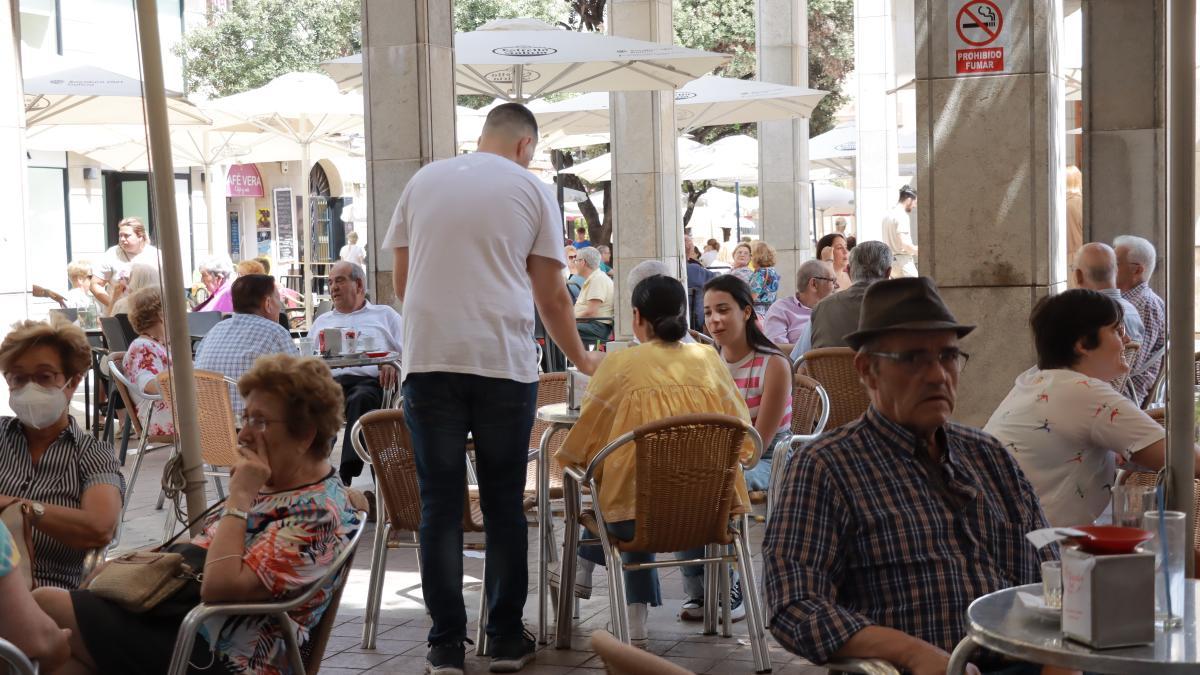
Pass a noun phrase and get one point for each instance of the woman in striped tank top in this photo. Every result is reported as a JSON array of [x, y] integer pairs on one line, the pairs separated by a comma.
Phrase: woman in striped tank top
[[761, 372]]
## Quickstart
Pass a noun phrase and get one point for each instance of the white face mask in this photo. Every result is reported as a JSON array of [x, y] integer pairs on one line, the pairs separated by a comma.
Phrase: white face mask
[[37, 406]]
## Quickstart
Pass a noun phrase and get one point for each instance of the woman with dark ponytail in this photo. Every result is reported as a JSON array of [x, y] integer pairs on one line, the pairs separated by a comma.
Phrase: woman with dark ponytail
[[659, 378]]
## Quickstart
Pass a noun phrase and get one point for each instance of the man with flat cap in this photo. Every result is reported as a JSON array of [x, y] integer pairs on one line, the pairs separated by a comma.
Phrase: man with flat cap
[[888, 527]]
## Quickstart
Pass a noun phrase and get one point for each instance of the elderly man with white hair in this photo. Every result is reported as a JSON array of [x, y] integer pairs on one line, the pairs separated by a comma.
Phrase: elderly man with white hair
[[786, 320], [217, 275], [644, 270], [595, 301], [1096, 270], [1136, 259]]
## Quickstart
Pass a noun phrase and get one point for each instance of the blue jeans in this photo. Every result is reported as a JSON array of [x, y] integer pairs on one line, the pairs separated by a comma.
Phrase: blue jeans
[[440, 409], [759, 478], [641, 585]]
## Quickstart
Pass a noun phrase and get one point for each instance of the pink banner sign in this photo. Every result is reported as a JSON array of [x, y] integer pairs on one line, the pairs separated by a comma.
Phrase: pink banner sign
[[244, 181]]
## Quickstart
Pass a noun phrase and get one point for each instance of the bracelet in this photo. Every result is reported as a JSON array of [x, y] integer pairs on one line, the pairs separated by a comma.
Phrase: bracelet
[[224, 557]]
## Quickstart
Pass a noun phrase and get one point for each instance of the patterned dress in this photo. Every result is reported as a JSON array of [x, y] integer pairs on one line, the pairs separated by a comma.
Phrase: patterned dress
[[143, 362], [292, 537], [764, 286]]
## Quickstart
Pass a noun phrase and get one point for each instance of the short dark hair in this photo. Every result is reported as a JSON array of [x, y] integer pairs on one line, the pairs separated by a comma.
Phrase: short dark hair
[[1060, 321], [661, 301], [908, 192], [249, 290], [581, 230], [512, 116]]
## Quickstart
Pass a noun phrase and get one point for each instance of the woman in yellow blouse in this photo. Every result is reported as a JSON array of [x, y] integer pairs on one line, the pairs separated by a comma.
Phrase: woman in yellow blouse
[[659, 378]]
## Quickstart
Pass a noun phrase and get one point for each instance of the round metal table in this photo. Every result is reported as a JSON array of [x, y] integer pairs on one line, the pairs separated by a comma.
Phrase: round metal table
[[359, 360], [999, 622], [560, 417]]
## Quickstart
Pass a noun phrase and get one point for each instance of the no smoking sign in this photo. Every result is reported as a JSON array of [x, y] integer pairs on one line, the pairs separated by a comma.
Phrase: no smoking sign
[[978, 36]]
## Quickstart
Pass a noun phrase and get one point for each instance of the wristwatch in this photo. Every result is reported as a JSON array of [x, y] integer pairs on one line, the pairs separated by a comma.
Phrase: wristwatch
[[38, 510], [236, 513]]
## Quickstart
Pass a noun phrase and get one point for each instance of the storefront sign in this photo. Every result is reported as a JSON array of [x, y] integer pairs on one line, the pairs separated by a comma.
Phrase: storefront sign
[[285, 226], [978, 36], [244, 181]]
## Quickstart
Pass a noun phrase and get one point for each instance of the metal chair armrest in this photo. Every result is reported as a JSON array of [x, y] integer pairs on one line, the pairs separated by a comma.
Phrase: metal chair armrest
[[824, 418], [574, 473], [359, 446], [863, 666], [758, 449], [117, 373], [18, 663], [617, 442]]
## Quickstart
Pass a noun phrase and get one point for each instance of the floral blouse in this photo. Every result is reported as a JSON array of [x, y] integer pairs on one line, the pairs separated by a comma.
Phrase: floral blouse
[[764, 285], [292, 538], [143, 362]]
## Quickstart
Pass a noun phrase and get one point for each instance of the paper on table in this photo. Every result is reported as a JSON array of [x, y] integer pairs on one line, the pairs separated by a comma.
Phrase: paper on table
[[1030, 600], [1049, 535]]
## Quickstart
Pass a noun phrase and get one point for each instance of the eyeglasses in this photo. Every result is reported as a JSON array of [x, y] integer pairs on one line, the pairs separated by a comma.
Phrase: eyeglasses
[[256, 422], [830, 279], [43, 378], [952, 359], [572, 257]]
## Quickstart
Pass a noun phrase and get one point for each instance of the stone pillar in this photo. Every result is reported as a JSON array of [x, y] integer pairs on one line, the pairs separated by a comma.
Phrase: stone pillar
[[785, 198], [990, 165], [408, 89], [1124, 134], [647, 223], [877, 163], [14, 283]]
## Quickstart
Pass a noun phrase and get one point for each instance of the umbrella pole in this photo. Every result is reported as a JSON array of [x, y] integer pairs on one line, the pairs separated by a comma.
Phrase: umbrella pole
[[208, 205], [737, 208], [307, 232], [162, 176]]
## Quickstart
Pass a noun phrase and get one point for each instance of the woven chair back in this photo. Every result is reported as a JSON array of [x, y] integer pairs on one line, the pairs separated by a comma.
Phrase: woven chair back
[[806, 404], [214, 413], [1149, 478], [1196, 361], [1129, 355], [552, 388], [387, 439], [833, 367], [116, 364], [686, 467]]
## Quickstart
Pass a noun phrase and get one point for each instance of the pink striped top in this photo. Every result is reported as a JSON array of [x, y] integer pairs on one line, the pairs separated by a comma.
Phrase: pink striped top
[[749, 375]]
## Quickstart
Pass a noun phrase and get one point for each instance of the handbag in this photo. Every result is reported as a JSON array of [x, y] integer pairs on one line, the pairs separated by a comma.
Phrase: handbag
[[16, 517], [143, 581]]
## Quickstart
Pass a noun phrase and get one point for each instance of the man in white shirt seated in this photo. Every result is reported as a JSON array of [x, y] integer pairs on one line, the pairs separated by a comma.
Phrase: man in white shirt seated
[[595, 300], [233, 345], [362, 386]]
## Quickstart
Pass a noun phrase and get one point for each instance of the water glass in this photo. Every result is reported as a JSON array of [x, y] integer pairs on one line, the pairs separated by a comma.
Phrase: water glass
[[305, 345], [1052, 583], [1172, 583], [366, 342], [349, 341], [1130, 503]]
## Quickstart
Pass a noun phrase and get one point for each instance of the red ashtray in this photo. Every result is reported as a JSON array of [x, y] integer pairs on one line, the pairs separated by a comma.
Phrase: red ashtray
[[1111, 539], [377, 355]]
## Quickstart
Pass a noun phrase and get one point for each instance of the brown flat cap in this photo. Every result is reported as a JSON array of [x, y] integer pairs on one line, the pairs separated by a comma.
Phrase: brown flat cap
[[903, 304]]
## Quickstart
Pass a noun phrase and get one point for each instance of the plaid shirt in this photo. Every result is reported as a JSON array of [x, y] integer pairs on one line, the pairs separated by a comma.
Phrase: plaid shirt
[[233, 345], [862, 535], [1154, 339]]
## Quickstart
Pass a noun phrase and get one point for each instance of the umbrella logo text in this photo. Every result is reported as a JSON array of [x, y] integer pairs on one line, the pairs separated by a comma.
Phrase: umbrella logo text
[[506, 76], [684, 95], [524, 50]]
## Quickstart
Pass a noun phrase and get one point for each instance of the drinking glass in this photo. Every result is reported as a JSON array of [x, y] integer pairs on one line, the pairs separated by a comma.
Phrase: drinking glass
[[349, 341], [305, 345], [366, 342], [1130, 503], [1169, 585], [1052, 583]]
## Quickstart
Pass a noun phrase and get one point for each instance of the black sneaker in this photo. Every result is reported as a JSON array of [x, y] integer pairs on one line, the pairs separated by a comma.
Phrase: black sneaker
[[445, 658], [510, 654]]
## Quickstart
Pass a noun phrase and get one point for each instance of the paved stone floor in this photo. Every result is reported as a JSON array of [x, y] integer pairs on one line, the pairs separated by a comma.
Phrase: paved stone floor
[[401, 648]]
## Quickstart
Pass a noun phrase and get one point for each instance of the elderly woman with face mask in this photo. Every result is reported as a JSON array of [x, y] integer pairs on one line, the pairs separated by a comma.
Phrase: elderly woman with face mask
[[68, 483]]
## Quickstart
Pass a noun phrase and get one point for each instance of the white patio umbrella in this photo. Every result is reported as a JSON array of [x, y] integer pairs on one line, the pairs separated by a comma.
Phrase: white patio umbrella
[[733, 159], [706, 101], [599, 168], [61, 91], [524, 59], [305, 109], [836, 149]]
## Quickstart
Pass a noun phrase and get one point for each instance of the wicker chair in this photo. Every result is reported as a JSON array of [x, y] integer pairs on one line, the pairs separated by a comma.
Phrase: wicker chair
[[622, 659], [552, 388], [301, 660], [382, 440], [810, 415], [833, 367], [1129, 356], [685, 472], [1150, 479]]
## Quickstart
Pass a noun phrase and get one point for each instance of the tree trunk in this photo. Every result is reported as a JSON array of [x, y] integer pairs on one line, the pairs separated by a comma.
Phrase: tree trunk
[[693, 195]]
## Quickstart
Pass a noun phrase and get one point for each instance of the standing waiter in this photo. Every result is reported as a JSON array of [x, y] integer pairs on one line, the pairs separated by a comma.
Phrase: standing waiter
[[478, 242]]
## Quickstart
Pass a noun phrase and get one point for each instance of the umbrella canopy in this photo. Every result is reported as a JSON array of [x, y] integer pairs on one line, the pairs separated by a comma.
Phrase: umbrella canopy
[[731, 159], [707, 101], [836, 149], [523, 59], [600, 168], [61, 91]]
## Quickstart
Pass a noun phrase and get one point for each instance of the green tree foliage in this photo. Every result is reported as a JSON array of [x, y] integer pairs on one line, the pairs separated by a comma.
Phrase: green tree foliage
[[830, 57], [471, 14], [255, 41]]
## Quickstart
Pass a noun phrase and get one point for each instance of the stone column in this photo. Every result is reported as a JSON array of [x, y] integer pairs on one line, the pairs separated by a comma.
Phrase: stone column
[[408, 89], [647, 223], [990, 165], [877, 163], [14, 285], [785, 198], [1124, 134]]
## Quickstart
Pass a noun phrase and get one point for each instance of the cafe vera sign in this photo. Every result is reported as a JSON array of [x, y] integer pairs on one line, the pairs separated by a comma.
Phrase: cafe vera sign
[[244, 180]]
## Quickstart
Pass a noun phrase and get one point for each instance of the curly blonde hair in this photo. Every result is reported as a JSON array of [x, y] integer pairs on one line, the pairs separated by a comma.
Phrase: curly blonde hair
[[145, 309], [79, 268], [64, 336], [308, 391], [762, 255], [250, 267]]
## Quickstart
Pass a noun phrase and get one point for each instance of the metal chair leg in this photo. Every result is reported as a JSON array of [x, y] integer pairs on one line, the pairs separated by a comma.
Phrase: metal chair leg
[[378, 572], [724, 597], [754, 613], [125, 439], [137, 466], [109, 416], [567, 566], [219, 488], [616, 589], [710, 591], [483, 646]]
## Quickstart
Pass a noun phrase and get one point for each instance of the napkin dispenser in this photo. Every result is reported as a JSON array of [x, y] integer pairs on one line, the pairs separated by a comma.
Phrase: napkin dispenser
[[1108, 600], [577, 384]]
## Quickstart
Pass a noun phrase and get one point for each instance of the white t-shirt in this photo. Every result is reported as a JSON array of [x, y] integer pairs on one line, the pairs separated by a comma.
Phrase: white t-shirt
[[115, 263], [379, 321], [470, 224], [1065, 430], [897, 233], [353, 253], [598, 286]]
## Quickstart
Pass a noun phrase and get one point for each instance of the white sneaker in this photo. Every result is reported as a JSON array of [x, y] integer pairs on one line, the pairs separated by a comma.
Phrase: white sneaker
[[583, 578], [637, 622]]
